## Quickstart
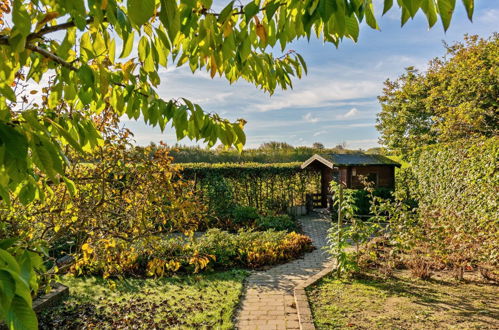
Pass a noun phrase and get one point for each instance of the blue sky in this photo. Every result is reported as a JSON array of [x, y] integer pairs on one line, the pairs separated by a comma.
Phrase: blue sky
[[336, 102]]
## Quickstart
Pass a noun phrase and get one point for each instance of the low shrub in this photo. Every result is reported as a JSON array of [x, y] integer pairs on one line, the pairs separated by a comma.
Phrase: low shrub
[[273, 247], [217, 249], [247, 217], [244, 215], [363, 198], [277, 222]]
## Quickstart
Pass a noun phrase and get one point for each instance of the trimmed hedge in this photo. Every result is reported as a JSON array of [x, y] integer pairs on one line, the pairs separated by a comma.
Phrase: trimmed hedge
[[267, 187], [457, 191]]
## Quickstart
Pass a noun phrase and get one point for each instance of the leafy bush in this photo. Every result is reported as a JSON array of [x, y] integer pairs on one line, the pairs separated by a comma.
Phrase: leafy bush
[[215, 249], [277, 222], [362, 199], [245, 215], [121, 198]]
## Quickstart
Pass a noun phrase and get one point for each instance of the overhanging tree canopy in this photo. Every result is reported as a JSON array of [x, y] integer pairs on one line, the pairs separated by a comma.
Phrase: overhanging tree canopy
[[105, 56]]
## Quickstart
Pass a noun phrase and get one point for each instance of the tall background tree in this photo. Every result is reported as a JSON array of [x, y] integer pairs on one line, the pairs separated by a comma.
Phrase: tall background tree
[[457, 97]]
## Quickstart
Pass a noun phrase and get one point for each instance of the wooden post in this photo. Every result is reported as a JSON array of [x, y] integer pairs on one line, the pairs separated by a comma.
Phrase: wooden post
[[340, 224]]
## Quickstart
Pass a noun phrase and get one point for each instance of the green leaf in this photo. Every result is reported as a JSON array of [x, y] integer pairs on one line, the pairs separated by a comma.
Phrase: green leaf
[[26, 269], [99, 45], [140, 11], [387, 6], [429, 9], [21, 315], [71, 186], [127, 45], [65, 134], [352, 27], [27, 193], [5, 196], [245, 49], [10, 263], [189, 104], [21, 18], [339, 16], [412, 6], [8, 92], [303, 63], [470, 7], [143, 48], [226, 12], [8, 242], [170, 18], [8, 290], [446, 9], [86, 75], [250, 10], [241, 137], [15, 142], [43, 159], [325, 8], [180, 122], [405, 16], [270, 9], [370, 19]]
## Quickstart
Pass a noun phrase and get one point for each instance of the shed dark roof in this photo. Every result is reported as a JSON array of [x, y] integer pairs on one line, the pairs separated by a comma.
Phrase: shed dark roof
[[358, 159]]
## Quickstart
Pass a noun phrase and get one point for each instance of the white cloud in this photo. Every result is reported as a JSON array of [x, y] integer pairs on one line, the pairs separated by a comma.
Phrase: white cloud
[[322, 94], [320, 133], [310, 119], [362, 143], [490, 16], [350, 125], [216, 98], [351, 113]]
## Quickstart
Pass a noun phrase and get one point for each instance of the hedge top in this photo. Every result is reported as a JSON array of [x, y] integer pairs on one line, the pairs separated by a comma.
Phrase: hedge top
[[357, 159], [239, 169]]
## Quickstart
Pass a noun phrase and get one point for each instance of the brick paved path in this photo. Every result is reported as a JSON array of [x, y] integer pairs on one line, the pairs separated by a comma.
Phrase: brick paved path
[[268, 302]]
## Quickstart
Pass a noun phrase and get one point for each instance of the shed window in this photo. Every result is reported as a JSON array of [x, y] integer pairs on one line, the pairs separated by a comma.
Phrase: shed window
[[373, 177]]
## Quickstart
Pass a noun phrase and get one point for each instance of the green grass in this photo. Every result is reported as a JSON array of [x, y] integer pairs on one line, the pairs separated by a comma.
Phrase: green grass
[[404, 303], [187, 302]]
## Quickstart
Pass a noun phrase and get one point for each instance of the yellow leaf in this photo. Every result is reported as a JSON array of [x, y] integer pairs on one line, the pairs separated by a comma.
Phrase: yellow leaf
[[260, 32], [48, 17], [227, 28], [57, 228], [213, 66]]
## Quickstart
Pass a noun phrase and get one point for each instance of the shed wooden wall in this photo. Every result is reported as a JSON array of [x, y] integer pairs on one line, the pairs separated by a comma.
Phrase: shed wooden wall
[[386, 175]]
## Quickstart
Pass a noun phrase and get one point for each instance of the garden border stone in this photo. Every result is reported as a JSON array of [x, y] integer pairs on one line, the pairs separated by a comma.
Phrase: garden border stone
[[52, 298], [301, 299]]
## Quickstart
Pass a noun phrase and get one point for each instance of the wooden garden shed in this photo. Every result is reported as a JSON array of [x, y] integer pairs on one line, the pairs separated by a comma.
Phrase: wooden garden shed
[[347, 169]]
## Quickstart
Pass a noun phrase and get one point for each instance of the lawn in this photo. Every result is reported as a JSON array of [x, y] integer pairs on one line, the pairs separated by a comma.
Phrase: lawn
[[187, 302], [404, 303]]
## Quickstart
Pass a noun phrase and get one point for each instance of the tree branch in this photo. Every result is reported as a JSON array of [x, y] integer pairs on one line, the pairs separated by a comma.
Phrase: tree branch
[[4, 40], [54, 28], [50, 56]]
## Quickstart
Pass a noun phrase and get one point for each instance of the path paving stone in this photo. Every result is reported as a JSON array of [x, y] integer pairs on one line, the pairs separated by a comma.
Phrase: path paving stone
[[268, 301]]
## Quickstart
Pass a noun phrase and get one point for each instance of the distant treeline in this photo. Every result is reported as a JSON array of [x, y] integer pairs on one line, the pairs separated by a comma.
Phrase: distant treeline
[[269, 152]]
